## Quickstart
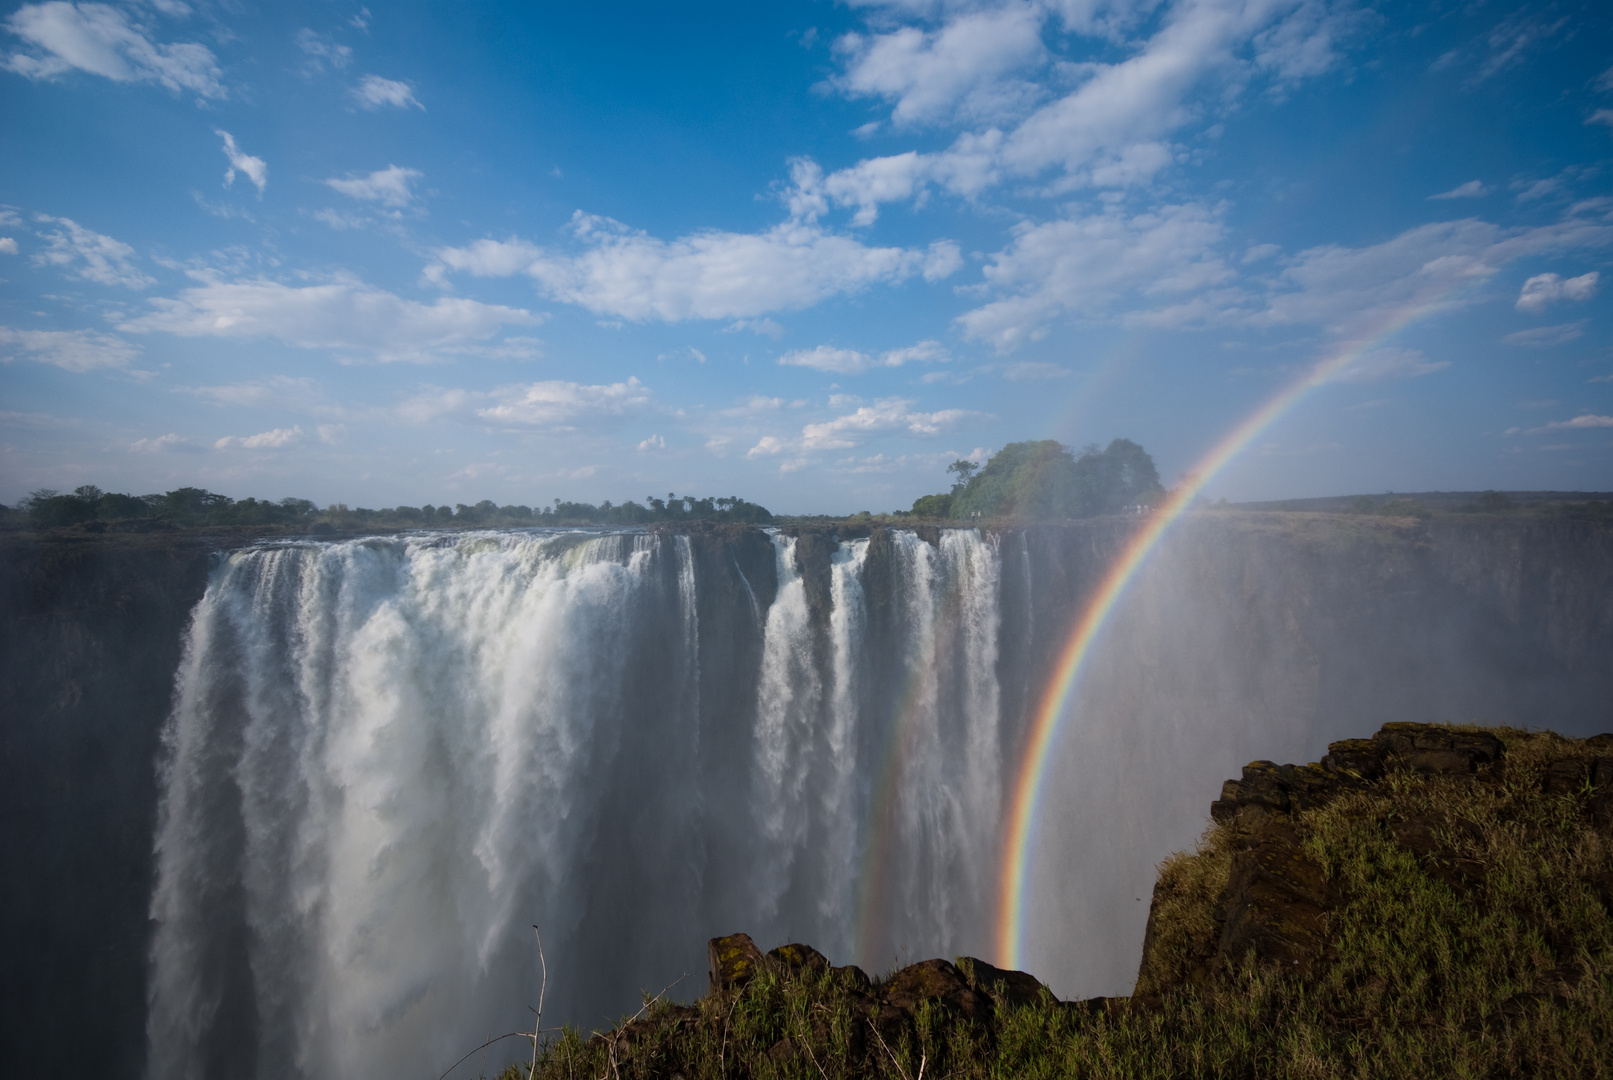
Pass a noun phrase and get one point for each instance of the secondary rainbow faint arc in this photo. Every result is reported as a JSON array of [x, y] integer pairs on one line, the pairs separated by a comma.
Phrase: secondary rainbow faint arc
[[1044, 725]]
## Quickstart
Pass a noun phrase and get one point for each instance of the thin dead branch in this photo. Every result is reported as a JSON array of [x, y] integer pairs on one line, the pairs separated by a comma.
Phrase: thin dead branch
[[899, 1070]]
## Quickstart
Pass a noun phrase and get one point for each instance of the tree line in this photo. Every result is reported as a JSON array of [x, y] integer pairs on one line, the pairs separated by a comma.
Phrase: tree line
[[192, 506]]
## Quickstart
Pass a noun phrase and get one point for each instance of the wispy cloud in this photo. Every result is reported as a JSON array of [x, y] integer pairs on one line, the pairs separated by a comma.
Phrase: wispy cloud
[[344, 315], [1543, 290], [277, 439], [1087, 265], [252, 167], [1473, 189], [627, 273], [884, 416], [88, 255], [1544, 337], [374, 92], [1389, 362], [984, 67], [1583, 422], [852, 362], [110, 42], [322, 50], [171, 443], [71, 350], [552, 405], [391, 187]]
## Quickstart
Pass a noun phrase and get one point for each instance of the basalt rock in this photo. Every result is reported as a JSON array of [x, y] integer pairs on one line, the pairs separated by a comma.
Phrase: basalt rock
[[933, 980], [1267, 788], [1011, 988], [735, 959], [1276, 901]]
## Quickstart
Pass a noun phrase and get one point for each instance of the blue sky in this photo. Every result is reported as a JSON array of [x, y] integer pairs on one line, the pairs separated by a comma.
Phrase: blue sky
[[806, 253]]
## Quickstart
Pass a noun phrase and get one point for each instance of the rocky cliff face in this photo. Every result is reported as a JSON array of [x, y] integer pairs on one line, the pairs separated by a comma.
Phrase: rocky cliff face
[[90, 638]]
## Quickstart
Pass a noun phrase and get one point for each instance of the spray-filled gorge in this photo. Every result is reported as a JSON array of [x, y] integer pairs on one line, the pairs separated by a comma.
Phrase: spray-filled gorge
[[388, 758]]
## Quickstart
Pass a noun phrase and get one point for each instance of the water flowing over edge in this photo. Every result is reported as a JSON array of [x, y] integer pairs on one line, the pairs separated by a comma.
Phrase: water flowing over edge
[[389, 758]]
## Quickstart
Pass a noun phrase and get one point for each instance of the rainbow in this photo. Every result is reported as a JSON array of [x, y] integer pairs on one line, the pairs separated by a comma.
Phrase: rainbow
[[1025, 794]]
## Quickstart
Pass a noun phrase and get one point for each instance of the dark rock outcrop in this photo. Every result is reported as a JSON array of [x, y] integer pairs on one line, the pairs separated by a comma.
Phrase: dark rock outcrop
[[971, 991], [735, 960], [1276, 901]]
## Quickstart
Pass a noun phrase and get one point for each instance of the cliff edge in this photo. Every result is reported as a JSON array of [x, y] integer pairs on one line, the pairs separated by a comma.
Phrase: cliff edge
[[1431, 901]]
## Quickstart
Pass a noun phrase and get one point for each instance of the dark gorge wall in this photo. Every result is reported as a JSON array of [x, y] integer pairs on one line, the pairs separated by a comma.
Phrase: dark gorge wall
[[90, 637], [642, 743]]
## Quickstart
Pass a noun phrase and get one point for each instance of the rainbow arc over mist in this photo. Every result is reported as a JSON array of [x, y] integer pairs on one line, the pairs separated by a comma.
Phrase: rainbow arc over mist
[[1026, 792]]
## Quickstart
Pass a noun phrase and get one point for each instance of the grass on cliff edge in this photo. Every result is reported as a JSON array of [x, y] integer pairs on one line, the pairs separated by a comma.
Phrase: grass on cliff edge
[[1511, 976]]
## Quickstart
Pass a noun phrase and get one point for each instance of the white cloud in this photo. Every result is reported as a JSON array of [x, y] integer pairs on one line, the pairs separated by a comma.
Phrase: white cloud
[[1352, 291], [767, 446], [1389, 362], [72, 350], [756, 326], [1097, 265], [884, 416], [1544, 337], [1544, 289], [557, 404], [1473, 189], [390, 186], [959, 71], [332, 434], [1601, 116], [105, 41], [1583, 422], [1088, 265], [374, 92], [89, 255], [277, 439], [1113, 129], [322, 49], [169, 443], [8, 245], [629, 274], [852, 362], [345, 315], [254, 167], [654, 442]]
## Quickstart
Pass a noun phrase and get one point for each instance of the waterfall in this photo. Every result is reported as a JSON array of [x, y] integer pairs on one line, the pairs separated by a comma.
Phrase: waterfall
[[389, 758]]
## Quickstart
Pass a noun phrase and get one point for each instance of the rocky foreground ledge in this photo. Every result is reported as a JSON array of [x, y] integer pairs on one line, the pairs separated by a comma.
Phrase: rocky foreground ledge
[[1432, 901]]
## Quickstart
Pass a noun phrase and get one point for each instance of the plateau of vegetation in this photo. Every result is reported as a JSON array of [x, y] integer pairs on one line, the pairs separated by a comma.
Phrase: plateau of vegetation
[[1431, 902]]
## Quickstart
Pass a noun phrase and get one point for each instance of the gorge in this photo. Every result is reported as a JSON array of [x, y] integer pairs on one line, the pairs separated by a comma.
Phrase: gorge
[[294, 807]]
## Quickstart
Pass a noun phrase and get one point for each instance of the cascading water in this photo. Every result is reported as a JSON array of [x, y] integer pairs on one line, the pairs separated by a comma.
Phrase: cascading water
[[388, 759]]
